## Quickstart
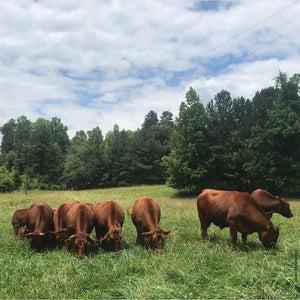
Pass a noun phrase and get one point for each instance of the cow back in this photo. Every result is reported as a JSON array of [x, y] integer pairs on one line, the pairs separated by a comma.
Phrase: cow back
[[61, 213], [80, 219], [218, 206], [39, 218], [146, 212], [108, 213]]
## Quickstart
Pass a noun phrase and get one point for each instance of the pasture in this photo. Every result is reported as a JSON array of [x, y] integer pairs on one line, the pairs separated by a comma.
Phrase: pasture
[[186, 269]]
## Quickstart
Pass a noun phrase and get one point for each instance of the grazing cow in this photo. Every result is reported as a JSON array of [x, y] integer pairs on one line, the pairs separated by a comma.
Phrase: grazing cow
[[145, 216], [238, 211], [80, 223], [18, 221], [109, 219], [271, 204], [60, 224], [39, 224]]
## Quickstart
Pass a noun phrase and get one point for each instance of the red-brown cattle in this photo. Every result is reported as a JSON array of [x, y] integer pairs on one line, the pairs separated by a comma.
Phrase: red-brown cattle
[[60, 223], [238, 211], [18, 221], [145, 215], [39, 224], [80, 223], [271, 204], [109, 219]]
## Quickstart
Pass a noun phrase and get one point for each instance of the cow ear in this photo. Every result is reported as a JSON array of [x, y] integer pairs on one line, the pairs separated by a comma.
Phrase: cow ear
[[104, 238], [166, 231], [90, 239], [147, 233], [71, 238]]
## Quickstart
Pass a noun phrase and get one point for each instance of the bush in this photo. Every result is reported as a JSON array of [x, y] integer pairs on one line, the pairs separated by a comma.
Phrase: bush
[[6, 180]]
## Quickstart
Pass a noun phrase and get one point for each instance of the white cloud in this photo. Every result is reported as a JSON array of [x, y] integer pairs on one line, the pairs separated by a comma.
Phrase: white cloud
[[105, 63]]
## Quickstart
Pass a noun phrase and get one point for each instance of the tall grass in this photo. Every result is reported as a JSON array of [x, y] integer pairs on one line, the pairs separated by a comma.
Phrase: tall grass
[[186, 269]]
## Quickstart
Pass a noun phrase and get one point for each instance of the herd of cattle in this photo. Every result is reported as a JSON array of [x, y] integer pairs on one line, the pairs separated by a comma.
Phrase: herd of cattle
[[72, 222]]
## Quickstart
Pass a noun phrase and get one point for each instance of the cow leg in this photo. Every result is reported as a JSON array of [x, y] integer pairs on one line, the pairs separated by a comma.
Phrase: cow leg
[[233, 233], [204, 225], [97, 233], [140, 238], [244, 239]]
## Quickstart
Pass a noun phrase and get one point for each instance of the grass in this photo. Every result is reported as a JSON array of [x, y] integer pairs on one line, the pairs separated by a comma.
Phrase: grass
[[186, 269]]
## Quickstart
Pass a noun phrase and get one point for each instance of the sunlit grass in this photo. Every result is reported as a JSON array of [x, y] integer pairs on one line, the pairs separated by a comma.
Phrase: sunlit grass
[[186, 269]]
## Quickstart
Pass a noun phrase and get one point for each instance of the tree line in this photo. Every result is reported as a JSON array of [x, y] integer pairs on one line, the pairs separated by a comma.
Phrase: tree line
[[233, 144]]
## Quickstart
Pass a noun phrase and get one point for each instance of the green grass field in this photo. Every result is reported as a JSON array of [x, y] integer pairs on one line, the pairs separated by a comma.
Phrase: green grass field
[[186, 269]]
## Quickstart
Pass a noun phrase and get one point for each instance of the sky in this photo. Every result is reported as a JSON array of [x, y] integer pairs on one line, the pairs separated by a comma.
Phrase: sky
[[100, 62]]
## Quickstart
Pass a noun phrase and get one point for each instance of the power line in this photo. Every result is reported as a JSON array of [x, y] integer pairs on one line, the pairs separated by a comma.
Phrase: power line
[[249, 28], [274, 41]]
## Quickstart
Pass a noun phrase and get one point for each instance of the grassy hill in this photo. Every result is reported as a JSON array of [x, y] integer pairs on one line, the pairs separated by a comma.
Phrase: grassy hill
[[186, 269]]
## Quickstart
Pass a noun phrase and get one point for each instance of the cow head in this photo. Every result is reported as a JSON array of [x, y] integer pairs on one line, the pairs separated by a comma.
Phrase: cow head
[[60, 236], [269, 237], [80, 241], [114, 237], [37, 240], [156, 238], [284, 208], [22, 231]]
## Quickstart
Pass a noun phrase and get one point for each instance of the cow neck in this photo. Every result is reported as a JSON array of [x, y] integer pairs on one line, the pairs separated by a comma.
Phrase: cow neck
[[272, 207], [81, 224]]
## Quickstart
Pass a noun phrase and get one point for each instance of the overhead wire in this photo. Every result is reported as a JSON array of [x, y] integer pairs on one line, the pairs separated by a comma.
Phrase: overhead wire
[[274, 41], [249, 29]]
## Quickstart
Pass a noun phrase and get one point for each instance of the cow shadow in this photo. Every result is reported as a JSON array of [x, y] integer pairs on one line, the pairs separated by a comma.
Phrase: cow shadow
[[223, 241]]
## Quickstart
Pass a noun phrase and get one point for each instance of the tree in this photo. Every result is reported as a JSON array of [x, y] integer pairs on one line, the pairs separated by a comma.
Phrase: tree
[[219, 126], [273, 147], [118, 158], [8, 131], [83, 167], [152, 142], [188, 163]]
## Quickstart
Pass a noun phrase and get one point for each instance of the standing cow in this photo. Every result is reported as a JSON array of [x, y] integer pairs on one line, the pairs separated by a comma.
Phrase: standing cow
[[18, 221], [238, 211], [109, 219], [271, 204], [80, 223], [145, 216], [39, 224], [60, 223]]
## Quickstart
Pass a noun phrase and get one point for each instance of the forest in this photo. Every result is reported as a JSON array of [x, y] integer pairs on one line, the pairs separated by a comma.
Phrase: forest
[[233, 144]]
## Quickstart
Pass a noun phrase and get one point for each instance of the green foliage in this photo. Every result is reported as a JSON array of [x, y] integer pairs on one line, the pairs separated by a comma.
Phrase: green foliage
[[188, 161], [236, 144], [6, 180]]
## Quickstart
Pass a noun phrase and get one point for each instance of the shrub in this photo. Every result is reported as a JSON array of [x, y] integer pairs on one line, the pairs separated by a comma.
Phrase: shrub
[[6, 180]]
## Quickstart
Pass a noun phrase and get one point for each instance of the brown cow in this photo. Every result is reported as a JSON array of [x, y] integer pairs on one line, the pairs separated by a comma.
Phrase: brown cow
[[238, 211], [271, 204], [80, 223], [109, 219], [145, 216], [39, 224], [60, 224], [18, 221]]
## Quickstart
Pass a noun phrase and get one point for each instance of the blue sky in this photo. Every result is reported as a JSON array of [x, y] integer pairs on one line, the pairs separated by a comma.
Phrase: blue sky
[[99, 63]]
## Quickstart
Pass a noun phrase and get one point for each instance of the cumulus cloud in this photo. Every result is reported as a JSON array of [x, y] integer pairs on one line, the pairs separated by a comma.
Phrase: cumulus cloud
[[100, 63]]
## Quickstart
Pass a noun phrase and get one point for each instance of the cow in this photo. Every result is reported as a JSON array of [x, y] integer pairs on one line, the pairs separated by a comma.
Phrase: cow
[[271, 204], [109, 219], [145, 215], [18, 221], [238, 211], [80, 223], [60, 224], [39, 224]]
